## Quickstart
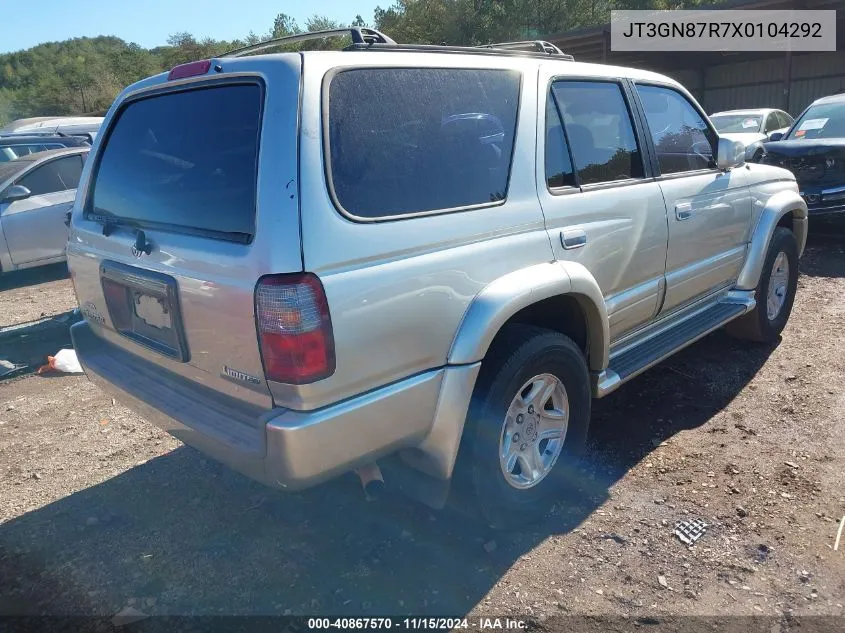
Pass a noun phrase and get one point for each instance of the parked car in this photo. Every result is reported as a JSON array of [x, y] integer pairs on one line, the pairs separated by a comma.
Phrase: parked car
[[814, 150], [14, 146], [85, 127], [751, 127], [36, 194], [440, 278]]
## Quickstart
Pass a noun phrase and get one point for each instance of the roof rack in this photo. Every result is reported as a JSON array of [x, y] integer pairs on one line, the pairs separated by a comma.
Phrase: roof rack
[[364, 38], [487, 49], [361, 36], [536, 46]]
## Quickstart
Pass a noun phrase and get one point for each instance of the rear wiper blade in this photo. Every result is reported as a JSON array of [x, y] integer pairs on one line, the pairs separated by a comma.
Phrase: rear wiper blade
[[108, 227], [109, 224]]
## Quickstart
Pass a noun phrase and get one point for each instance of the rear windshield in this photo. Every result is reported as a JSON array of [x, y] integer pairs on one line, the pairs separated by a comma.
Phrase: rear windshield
[[185, 161], [404, 141], [737, 123]]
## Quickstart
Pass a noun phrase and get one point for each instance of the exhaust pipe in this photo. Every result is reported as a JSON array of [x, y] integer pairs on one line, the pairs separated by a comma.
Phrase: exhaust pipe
[[372, 480]]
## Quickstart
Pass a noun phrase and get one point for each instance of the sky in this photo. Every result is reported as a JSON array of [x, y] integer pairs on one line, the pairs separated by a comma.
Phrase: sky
[[150, 22]]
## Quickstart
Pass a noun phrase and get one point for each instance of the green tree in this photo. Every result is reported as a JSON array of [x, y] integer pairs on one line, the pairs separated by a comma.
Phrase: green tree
[[85, 74], [284, 25]]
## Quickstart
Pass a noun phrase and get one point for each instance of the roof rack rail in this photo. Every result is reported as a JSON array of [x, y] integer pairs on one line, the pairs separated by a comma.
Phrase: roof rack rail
[[521, 49], [360, 35], [538, 46]]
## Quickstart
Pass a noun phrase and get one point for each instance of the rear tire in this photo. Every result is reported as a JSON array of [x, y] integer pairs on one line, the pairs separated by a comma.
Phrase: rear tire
[[775, 293], [527, 425]]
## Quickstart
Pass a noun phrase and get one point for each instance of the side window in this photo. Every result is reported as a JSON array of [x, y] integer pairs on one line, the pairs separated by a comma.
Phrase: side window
[[434, 139], [785, 120], [683, 140], [69, 169], [43, 180], [598, 126], [559, 172], [24, 150], [772, 123]]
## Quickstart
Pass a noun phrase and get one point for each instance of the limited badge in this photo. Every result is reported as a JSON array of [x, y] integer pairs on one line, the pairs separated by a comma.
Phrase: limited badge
[[239, 375]]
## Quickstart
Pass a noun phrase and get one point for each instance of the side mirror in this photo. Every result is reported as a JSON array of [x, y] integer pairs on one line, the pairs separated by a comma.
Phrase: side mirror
[[729, 154], [775, 136], [16, 192]]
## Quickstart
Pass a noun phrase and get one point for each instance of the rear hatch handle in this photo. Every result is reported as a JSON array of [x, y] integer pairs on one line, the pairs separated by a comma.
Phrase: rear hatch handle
[[141, 245]]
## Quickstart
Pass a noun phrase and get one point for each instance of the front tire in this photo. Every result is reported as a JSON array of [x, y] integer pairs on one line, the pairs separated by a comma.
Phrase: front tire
[[775, 293], [527, 425]]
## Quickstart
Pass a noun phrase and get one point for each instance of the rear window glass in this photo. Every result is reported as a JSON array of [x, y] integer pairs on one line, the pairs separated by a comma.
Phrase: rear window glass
[[185, 161], [404, 141]]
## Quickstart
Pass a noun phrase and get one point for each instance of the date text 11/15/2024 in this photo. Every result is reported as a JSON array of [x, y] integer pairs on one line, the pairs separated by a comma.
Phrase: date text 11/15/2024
[[412, 624]]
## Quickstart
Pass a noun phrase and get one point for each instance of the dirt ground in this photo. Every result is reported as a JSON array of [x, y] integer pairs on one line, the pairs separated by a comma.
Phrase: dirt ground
[[99, 510], [35, 293]]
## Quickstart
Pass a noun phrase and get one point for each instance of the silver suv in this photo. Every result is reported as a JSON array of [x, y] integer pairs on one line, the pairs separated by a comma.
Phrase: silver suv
[[434, 257]]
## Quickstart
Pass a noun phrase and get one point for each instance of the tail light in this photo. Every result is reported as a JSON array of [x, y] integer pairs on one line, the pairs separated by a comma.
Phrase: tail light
[[294, 328]]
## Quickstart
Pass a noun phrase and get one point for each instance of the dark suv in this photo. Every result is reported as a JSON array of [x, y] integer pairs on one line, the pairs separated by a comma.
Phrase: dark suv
[[814, 150], [14, 146]]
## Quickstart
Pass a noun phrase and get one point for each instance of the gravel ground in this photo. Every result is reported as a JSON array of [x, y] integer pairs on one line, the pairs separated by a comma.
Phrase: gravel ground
[[34, 293], [99, 510]]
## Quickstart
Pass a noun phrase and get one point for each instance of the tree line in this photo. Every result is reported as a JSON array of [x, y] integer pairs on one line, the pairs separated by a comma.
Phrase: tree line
[[84, 75]]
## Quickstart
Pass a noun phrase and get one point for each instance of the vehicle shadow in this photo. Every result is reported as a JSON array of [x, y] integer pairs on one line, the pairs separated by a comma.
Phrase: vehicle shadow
[[824, 255], [31, 276], [196, 538], [28, 345]]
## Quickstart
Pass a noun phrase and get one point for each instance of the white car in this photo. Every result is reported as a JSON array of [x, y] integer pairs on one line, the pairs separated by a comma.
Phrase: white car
[[751, 127], [36, 194], [82, 126]]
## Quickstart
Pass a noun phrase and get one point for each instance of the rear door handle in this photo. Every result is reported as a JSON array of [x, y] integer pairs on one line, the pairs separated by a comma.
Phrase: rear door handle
[[573, 238], [683, 211]]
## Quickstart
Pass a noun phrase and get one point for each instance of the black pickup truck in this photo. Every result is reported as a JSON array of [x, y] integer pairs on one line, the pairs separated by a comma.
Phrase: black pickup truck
[[814, 150]]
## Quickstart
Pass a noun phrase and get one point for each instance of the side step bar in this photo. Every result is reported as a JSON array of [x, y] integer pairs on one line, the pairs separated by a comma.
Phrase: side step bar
[[659, 343]]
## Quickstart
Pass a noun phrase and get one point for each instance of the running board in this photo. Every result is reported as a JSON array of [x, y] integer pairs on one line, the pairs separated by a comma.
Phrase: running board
[[660, 343]]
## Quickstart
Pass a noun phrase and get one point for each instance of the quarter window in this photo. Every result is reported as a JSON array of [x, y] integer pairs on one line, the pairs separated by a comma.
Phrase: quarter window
[[682, 138], [772, 123], [404, 141], [599, 131], [785, 120]]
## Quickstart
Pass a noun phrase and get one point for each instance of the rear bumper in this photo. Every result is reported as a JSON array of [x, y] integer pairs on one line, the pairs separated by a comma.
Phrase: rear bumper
[[280, 447]]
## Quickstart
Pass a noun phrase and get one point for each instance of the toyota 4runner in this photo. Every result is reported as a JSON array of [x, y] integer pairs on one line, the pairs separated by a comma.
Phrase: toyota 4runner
[[434, 257]]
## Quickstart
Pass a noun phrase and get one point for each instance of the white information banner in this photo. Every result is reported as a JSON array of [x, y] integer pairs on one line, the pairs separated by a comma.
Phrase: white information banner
[[718, 30]]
